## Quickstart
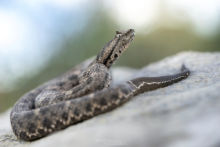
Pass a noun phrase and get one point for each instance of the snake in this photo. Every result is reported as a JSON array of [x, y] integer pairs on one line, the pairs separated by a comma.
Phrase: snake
[[81, 93]]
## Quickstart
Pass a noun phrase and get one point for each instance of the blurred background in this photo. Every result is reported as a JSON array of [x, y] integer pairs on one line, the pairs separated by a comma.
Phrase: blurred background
[[40, 39]]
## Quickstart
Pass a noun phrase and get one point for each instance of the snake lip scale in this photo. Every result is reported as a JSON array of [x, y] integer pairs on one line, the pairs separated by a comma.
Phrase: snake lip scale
[[82, 93]]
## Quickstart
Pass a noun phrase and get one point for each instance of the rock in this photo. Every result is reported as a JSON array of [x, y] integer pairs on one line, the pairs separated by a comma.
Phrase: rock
[[185, 114]]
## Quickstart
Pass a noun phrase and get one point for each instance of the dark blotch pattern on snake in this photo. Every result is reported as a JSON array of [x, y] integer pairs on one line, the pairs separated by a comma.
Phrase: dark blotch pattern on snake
[[82, 93]]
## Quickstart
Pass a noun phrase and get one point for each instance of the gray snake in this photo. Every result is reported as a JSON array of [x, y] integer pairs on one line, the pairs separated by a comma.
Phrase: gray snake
[[81, 93]]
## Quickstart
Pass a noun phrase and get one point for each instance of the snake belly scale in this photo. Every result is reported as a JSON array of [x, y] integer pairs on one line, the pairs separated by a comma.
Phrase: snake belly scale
[[81, 93]]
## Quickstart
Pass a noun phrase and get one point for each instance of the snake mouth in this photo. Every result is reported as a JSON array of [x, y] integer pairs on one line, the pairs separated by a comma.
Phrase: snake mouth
[[128, 33], [127, 36]]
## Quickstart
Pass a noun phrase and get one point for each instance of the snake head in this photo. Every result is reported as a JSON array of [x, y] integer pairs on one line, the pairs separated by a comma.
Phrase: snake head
[[115, 47]]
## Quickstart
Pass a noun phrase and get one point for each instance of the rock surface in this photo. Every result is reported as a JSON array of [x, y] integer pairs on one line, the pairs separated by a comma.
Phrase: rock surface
[[185, 114]]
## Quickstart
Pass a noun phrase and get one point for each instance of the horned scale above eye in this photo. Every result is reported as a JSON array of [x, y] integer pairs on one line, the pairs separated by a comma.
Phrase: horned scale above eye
[[81, 93]]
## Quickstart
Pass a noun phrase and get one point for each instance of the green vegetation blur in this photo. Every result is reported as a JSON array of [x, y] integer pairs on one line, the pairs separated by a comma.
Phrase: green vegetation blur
[[159, 43]]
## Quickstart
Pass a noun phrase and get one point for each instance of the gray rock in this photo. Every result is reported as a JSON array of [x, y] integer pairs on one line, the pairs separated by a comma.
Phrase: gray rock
[[185, 114]]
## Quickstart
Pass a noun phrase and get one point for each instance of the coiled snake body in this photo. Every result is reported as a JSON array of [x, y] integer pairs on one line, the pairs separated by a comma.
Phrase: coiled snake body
[[81, 93]]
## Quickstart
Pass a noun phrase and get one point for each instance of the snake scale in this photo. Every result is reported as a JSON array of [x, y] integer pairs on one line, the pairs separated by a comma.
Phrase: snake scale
[[81, 93]]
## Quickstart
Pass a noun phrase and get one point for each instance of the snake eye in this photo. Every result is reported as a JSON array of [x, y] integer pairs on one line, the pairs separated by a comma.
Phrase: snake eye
[[118, 34]]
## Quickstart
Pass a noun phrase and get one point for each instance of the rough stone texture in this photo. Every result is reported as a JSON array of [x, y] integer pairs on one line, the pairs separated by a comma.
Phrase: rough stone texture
[[185, 114]]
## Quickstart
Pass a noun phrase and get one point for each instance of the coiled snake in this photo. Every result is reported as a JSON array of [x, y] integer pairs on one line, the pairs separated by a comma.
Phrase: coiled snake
[[81, 93]]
